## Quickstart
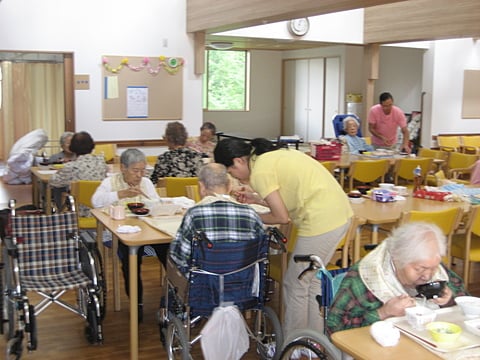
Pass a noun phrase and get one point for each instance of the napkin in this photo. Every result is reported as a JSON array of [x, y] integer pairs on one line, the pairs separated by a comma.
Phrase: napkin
[[126, 229], [385, 333]]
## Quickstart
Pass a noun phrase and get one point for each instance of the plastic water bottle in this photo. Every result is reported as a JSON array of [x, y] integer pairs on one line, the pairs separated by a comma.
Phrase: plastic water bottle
[[417, 172]]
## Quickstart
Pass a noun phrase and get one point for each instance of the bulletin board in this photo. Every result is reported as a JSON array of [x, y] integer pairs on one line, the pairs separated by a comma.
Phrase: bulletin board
[[142, 88], [471, 94]]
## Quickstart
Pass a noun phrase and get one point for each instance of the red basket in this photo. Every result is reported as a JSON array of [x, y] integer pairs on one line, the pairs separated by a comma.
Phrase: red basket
[[331, 151]]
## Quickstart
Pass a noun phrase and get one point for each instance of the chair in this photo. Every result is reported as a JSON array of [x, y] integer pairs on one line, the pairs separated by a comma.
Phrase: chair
[[449, 143], [404, 169], [367, 171], [439, 161], [467, 246], [220, 273], [459, 166], [82, 191], [175, 186], [45, 254], [109, 152], [151, 159], [471, 144], [447, 220], [193, 192], [338, 124], [330, 166]]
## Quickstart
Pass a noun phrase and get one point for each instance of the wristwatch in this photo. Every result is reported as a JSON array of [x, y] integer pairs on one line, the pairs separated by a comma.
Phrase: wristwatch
[[298, 27]]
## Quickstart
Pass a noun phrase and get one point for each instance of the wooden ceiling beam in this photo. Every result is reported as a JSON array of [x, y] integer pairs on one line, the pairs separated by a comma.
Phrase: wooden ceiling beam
[[422, 20], [222, 15]]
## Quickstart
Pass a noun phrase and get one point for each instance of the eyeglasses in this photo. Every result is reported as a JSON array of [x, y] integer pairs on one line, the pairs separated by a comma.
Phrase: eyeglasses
[[137, 171]]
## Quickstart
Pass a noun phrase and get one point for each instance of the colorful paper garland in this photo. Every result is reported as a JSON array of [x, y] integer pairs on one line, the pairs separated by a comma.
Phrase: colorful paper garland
[[171, 65]]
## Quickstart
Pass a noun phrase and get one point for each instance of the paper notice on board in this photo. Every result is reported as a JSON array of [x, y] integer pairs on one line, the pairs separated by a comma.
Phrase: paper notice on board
[[137, 101], [111, 87]]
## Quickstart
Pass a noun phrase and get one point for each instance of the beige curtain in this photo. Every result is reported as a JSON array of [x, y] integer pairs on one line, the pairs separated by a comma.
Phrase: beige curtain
[[32, 98]]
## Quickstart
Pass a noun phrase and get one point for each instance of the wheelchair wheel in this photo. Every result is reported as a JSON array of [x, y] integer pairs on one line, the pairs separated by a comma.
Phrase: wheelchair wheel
[[30, 326], [177, 344], [14, 347], [308, 344], [93, 329], [268, 333]]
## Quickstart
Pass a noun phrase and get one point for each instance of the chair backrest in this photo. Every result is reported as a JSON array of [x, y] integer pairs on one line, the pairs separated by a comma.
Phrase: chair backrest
[[193, 192], [175, 186], [348, 239], [151, 159], [470, 144], [447, 220], [434, 154], [338, 124], [449, 142], [367, 170], [82, 191], [404, 168], [460, 161], [109, 151], [46, 243], [329, 165], [231, 266]]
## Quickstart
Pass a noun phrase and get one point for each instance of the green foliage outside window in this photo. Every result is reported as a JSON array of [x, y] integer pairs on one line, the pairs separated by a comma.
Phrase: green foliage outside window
[[225, 84]]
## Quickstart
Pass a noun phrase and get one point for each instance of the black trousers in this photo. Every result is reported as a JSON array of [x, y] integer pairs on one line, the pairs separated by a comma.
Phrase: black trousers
[[160, 249]]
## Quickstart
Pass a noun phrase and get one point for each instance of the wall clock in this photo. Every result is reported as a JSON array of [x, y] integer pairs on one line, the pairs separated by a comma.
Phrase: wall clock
[[298, 27]]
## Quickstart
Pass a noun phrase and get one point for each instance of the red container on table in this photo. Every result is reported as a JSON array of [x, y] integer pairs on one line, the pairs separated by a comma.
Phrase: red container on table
[[331, 151]]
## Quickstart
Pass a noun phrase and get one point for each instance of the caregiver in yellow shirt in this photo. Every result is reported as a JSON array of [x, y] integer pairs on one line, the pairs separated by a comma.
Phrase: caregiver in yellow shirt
[[298, 188]]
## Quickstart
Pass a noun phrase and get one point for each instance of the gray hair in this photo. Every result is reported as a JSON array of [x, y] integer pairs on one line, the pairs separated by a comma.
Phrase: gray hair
[[65, 136], [213, 175], [412, 242], [132, 156], [347, 119]]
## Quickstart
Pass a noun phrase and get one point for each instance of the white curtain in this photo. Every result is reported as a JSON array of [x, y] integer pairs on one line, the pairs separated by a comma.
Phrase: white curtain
[[32, 98]]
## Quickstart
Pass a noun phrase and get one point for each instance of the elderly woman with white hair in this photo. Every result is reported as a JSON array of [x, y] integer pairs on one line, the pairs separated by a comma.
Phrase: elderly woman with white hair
[[355, 143], [383, 284]]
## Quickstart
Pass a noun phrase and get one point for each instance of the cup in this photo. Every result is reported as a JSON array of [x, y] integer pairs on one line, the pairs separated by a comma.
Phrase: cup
[[117, 212], [401, 190]]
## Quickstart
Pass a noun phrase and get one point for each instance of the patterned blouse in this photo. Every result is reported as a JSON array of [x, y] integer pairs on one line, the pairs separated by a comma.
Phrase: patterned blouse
[[205, 148], [182, 162]]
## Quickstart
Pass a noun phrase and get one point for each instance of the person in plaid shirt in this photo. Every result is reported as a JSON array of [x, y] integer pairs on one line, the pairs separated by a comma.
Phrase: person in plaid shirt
[[382, 284], [220, 216]]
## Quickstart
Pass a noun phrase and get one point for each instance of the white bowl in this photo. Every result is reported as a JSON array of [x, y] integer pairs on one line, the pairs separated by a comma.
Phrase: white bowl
[[419, 316], [469, 304], [356, 200], [386, 186]]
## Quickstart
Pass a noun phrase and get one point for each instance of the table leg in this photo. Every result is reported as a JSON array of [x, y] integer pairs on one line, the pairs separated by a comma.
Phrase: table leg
[[116, 279], [374, 233], [35, 192], [356, 245], [132, 253], [48, 199]]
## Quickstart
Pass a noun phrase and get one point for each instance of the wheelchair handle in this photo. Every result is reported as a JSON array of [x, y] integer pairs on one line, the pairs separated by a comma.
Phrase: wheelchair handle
[[315, 263], [201, 236]]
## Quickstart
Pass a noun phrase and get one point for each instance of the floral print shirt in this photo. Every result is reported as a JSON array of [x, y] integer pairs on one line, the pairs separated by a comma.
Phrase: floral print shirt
[[182, 162]]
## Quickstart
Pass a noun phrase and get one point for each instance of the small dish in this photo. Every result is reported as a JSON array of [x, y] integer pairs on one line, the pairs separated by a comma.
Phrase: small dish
[[473, 326], [140, 211], [135, 205], [444, 332], [356, 200]]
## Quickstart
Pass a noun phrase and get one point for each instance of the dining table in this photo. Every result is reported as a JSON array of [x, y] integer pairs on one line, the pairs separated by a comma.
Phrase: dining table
[[146, 235], [414, 342], [377, 213]]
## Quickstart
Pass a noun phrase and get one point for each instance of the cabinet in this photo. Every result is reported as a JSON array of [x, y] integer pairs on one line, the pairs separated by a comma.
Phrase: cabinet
[[310, 97]]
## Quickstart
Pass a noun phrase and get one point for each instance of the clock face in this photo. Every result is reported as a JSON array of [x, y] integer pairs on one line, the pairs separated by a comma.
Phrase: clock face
[[299, 27]]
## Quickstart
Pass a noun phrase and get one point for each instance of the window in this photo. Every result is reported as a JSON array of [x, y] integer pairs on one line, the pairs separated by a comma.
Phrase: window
[[226, 80]]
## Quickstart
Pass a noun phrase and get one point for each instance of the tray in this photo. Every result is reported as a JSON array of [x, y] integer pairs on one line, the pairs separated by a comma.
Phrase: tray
[[452, 314]]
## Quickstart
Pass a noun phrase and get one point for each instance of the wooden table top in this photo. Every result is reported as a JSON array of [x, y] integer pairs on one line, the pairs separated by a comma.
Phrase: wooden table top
[[359, 343], [148, 235], [382, 213]]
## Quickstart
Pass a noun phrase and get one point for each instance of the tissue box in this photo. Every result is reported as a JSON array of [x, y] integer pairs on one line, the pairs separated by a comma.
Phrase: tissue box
[[382, 195], [431, 195]]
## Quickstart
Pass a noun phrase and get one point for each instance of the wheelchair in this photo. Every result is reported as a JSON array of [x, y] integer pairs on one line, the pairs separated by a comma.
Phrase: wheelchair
[[220, 274], [46, 254], [307, 343]]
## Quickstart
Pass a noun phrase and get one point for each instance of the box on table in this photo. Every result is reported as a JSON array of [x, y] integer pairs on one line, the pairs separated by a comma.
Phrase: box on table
[[331, 151]]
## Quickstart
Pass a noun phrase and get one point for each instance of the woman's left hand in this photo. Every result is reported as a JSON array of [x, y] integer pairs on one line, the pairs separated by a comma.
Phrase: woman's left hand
[[444, 298]]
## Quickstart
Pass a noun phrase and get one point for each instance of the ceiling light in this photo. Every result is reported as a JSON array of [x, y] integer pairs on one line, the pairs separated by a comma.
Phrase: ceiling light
[[221, 45]]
